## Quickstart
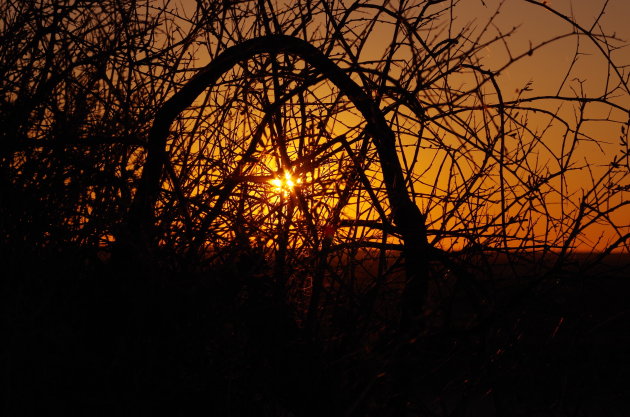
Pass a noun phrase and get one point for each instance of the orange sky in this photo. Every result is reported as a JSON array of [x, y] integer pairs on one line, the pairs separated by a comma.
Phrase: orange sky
[[547, 67]]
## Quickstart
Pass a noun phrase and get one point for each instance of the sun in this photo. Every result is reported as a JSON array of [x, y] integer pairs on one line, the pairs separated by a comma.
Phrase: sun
[[285, 183]]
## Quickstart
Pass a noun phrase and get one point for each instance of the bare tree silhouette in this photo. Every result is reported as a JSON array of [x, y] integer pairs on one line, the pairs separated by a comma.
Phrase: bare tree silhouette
[[359, 158]]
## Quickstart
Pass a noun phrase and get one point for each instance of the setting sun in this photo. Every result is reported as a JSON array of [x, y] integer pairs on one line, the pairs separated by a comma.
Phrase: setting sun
[[285, 184]]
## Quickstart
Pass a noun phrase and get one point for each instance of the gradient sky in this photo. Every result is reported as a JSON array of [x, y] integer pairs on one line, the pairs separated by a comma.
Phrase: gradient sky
[[547, 66]]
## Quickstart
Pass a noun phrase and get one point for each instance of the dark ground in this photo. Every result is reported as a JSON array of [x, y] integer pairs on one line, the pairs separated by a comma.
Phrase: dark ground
[[83, 337]]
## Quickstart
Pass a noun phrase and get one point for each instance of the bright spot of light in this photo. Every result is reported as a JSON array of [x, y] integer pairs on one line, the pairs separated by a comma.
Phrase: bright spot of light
[[285, 184]]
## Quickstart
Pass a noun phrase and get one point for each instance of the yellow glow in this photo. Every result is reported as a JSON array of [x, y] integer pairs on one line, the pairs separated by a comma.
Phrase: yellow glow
[[285, 184], [288, 181]]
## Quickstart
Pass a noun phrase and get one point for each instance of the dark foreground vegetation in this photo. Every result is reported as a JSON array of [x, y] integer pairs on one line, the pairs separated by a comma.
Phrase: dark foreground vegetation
[[88, 337]]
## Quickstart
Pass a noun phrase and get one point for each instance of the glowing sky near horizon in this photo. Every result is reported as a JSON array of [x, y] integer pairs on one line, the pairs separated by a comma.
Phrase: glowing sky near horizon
[[546, 68]]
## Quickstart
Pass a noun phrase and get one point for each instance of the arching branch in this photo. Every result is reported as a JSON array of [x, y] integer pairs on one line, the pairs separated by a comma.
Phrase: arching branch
[[406, 214]]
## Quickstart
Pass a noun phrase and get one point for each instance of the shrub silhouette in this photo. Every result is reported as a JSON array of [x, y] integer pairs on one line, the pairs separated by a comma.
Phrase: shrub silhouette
[[347, 215]]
